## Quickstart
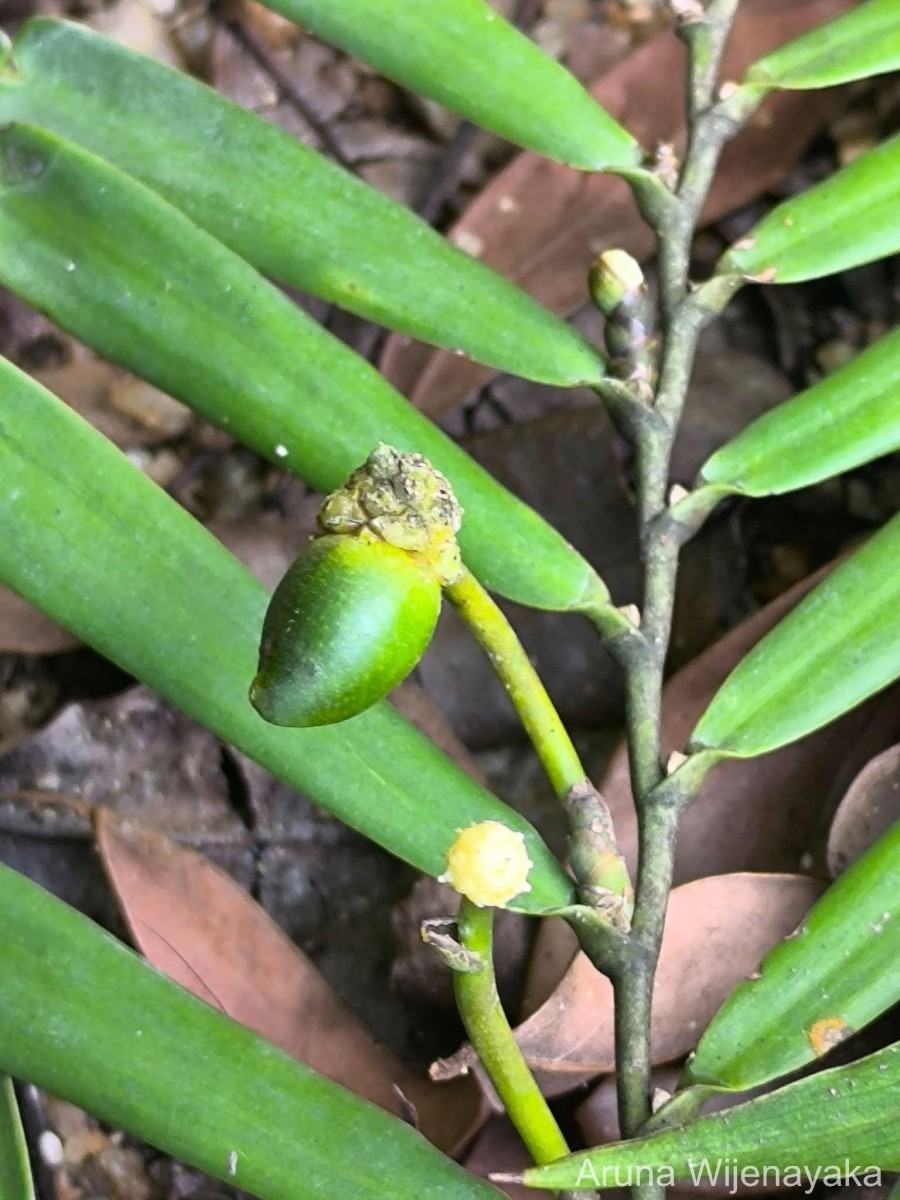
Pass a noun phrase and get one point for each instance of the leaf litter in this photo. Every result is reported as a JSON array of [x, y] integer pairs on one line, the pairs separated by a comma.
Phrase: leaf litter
[[202, 929]]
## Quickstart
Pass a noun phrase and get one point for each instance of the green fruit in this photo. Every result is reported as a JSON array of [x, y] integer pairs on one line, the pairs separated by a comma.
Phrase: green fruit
[[347, 623]]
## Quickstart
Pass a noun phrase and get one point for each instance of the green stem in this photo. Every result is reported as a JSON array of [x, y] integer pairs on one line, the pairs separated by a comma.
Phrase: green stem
[[598, 867], [493, 1040], [494, 633], [705, 38]]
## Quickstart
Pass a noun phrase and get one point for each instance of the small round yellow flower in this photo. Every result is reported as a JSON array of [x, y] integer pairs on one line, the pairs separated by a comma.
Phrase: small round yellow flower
[[488, 864]]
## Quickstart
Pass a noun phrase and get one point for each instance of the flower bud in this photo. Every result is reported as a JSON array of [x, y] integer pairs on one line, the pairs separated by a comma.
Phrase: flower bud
[[614, 276], [618, 289]]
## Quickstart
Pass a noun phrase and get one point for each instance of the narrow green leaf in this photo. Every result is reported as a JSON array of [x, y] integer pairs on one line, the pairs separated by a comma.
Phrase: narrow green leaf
[[15, 1172], [85, 1018], [849, 219], [818, 1124], [835, 975], [464, 55], [861, 43], [840, 645], [847, 419], [97, 546], [293, 214], [130, 275]]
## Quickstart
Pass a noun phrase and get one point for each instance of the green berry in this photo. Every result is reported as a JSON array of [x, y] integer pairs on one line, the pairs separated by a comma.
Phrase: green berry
[[347, 623]]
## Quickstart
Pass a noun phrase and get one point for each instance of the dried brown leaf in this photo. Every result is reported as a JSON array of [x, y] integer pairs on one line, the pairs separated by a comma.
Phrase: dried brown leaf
[[24, 630], [123, 408], [554, 948], [870, 807], [198, 926], [499, 1148], [540, 223]]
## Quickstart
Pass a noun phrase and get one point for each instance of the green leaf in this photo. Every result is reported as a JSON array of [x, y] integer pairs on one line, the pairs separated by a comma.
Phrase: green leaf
[[85, 1018], [849, 219], [818, 1123], [817, 987], [303, 220], [15, 1171], [464, 55], [92, 542], [861, 43], [109, 260], [847, 419], [840, 645]]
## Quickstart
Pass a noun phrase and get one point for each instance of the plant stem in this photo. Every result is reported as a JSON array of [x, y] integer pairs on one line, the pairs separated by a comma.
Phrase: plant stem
[[599, 868], [705, 39], [711, 129], [633, 990], [493, 1040], [659, 802], [631, 998], [552, 743]]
